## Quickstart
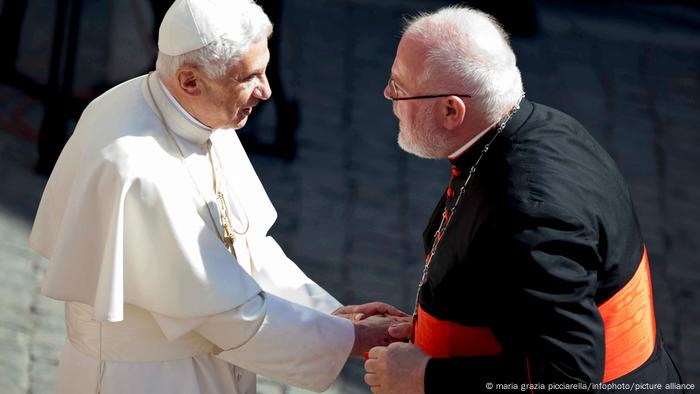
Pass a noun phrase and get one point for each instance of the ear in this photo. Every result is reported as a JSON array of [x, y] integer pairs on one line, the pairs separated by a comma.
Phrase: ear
[[189, 81], [452, 112]]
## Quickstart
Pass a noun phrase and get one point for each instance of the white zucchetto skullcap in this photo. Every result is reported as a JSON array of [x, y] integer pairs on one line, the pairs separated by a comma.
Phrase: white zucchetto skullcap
[[193, 24]]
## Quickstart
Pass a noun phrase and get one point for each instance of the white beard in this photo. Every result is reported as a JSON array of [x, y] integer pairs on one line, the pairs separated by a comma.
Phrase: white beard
[[422, 138]]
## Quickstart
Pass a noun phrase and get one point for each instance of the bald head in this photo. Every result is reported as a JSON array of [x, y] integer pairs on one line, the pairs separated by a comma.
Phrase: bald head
[[467, 50]]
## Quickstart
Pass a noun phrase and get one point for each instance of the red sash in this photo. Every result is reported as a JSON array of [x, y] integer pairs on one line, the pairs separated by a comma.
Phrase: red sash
[[442, 338], [628, 317], [630, 326]]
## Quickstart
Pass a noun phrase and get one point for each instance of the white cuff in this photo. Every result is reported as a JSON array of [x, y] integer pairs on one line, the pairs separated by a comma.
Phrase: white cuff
[[296, 345]]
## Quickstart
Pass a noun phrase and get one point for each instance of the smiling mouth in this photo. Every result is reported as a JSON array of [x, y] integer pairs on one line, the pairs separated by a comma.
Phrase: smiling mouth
[[246, 111]]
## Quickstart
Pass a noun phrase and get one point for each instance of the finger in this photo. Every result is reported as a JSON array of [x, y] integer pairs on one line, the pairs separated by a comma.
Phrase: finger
[[371, 366], [339, 312], [400, 330], [402, 319], [372, 379], [362, 311], [376, 351], [394, 311], [386, 309], [375, 389], [346, 310]]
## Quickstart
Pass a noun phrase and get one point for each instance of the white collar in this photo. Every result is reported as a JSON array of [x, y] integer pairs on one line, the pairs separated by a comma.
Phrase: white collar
[[469, 143], [177, 118], [179, 106]]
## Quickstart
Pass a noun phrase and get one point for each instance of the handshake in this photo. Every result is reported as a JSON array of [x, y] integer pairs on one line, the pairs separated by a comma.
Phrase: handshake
[[376, 324], [381, 330]]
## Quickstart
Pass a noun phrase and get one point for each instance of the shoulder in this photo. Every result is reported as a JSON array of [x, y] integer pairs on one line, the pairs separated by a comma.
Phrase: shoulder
[[126, 95], [552, 150], [119, 137], [552, 161], [119, 112], [550, 138], [119, 131]]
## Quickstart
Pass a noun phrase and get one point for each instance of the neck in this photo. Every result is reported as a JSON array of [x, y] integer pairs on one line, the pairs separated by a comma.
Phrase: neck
[[182, 100], [470, 142], [484, 127]]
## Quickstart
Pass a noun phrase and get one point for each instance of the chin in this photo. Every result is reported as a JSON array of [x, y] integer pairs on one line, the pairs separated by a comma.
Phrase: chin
[[240, 123], [421, 147]]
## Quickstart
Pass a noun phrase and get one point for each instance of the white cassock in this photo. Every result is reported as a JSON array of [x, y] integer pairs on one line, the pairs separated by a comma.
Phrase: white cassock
[[155, 303]]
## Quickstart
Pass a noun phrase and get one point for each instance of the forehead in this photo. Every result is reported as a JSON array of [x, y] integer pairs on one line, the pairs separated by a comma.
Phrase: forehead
[[254, 59], [409, 61]]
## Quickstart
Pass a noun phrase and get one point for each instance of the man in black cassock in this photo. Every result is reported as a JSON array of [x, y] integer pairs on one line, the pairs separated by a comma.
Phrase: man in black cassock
[[536, 274]]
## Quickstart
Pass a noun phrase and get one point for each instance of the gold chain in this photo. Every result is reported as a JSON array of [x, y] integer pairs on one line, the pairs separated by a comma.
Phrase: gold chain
[[224, 210], [224, 202], [228, 235]]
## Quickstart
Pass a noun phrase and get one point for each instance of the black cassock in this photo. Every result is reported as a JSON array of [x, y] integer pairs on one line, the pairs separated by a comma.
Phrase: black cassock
[[544, 235]]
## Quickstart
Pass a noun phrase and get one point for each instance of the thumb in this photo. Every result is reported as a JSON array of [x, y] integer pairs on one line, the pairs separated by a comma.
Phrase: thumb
[[400, 330]]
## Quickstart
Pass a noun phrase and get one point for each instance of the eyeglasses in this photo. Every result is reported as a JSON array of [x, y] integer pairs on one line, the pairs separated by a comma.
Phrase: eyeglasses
[[394, 96]]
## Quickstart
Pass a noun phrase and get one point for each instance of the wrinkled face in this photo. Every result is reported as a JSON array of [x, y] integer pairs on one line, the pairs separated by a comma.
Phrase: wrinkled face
[[419, 133], [421, 136], [228, 101]]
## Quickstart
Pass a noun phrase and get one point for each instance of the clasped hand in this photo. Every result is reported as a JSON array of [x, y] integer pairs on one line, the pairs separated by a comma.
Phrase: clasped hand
[[391, 367], [376, 324]]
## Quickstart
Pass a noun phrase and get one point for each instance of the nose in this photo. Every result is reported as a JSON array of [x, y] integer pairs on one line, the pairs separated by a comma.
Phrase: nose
[[387, 91], [263, 91]]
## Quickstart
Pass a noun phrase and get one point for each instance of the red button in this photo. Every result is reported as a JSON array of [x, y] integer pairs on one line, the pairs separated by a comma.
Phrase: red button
[[455, 171]]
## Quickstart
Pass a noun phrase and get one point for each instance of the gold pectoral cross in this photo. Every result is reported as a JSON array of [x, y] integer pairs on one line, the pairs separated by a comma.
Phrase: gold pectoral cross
[[228, 241], [229, 236]]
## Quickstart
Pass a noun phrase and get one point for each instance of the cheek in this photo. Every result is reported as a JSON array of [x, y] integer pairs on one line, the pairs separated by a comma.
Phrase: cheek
[[220, 102], [401, 111], [406, 113], [240, 99]]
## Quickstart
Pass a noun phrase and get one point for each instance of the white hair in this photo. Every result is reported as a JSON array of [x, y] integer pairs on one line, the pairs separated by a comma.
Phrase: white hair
[[468, 52], [218, 57]]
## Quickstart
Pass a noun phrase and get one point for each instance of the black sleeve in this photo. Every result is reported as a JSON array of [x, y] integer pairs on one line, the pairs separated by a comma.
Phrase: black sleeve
[[550, 325]]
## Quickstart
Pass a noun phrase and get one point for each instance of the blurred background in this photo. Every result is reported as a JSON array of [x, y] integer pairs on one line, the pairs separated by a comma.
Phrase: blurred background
[[351, 204]]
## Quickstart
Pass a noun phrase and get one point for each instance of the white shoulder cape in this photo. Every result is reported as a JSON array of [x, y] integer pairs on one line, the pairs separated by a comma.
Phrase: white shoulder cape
[[119, 222]]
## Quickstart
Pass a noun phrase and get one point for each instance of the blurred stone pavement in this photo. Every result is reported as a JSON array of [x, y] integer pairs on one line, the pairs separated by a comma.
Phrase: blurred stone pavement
[[352, 205]]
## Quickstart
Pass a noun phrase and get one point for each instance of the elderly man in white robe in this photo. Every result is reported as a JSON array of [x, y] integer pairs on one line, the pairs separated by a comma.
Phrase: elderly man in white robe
[[154, 223]]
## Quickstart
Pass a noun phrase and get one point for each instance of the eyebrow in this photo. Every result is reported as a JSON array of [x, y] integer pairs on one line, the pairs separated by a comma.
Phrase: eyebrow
[[256, 71]]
